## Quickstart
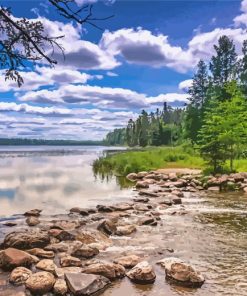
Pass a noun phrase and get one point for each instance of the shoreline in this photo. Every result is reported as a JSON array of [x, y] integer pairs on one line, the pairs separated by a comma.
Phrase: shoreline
[[78, 238]]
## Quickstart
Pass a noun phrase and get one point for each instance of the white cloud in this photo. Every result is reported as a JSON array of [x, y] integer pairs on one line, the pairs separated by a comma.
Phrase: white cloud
[[111, 74], [242, 18], [101, 97], [184, 85]]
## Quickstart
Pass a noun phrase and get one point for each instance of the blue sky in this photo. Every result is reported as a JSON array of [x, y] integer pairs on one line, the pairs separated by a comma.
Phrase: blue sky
[[145, 55]]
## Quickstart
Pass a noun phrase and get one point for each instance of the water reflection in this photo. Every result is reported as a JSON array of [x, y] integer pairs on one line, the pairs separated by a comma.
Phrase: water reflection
[[54, 179]]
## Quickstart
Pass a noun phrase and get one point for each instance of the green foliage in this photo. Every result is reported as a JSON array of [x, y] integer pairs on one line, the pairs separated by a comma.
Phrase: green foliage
[[127, 162]]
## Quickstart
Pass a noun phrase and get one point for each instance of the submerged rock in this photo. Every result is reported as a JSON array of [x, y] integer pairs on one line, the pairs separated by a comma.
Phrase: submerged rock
[[85, 284], [142, 273], [81, 211], [19, 276], [26, 239], [110, 270], [181, 272], [107, 209], [128, 261], [107, 226], [147, 221], [11, 258], [40, 282]]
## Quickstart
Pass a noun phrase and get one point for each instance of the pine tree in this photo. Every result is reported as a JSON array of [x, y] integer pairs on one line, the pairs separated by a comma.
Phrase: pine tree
[[243, 69]]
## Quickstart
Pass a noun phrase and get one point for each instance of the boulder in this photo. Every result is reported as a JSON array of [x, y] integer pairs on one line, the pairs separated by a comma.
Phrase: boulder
[[123, 206], [85, 252], [65, 224], [41, 253], [106, 209], [125, 230], [19, 275], [60, 287], [141, 175], [181, 273], [142, 184], [131, 176], [11, 258], [94, 237], [70, 261], [26, 239], [58, 247], [34, 212], [46, 265], [172, 176], [85, 284], [32, 221], [40, 283], [109, 270], [128, 261], [81, 211], [238, 177], [107, 226], [142, 273], [61, 235], [147, 221]]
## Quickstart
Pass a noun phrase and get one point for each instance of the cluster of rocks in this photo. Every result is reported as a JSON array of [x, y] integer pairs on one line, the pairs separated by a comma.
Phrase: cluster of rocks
[[188, 182], [64, 256]]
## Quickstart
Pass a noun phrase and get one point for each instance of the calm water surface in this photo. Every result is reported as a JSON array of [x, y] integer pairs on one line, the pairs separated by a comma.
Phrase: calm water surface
[[212, 235]]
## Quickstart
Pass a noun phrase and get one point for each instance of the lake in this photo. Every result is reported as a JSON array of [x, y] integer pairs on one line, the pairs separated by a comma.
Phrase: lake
[[211, 233], [54, 178]]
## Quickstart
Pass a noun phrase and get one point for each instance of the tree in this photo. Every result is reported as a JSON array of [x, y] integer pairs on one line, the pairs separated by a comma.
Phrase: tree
[[243, 69], [143, 136], [223, 65], [24, 41], [224, 127]]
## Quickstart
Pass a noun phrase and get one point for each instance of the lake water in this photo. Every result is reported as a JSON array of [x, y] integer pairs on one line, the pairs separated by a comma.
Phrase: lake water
[[53, 178], [212, 235]]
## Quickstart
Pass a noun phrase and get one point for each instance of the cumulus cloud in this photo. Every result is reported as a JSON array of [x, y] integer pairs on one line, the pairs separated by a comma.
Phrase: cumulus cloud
[[242, 18], [185, 85], [102, 97]]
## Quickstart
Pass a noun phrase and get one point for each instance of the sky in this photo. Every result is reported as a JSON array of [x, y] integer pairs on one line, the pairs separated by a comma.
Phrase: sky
[[144, 56]]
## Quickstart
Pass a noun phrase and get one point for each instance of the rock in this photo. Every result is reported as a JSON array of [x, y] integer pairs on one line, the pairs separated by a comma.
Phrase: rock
[[214, 188], [10, 224], [123, 206], [11, 258], [85, 284], [141, 199], [46, 265], [177, 193], [60, 271], [26, 239], [142, 184], [141, 175], [245, 189], [165, 201], [181, 272], [125, 230], [110, 270], [70, 261], [65, 225], [172, 176], [34, 212], [85, 252], [62, 235], [142, 207], [19, 275], [147, 221], [106, 209], [177, 200], [94, 237], [81, 211], [60, 287], [142, 273], [59, 247], [41, 253], [32, 221], [148, 193], [238, 177], [132, 176], [107, 226], [40, 282], [128, 261]]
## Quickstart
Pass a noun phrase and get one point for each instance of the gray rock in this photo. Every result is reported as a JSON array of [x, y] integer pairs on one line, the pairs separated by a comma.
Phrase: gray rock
[[85, 284]]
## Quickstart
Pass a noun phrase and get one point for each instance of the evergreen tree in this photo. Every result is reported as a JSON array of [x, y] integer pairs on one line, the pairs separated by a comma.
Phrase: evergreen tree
[[243, 69]]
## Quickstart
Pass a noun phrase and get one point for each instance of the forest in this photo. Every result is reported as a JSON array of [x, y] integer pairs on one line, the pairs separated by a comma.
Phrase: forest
[[214, 120]]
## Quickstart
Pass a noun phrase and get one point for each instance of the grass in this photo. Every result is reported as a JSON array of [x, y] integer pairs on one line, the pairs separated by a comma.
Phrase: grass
[[149, 159], [152, 158]]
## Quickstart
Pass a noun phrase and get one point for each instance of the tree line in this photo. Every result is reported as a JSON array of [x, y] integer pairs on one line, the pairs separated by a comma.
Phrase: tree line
[[215, 118]]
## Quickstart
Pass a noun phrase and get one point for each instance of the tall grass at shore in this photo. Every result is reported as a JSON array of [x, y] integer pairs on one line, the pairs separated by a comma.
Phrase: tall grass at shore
[[147, 159]]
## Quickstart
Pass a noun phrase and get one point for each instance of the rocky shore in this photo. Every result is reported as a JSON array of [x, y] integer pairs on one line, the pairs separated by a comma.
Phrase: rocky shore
[[68, 255]]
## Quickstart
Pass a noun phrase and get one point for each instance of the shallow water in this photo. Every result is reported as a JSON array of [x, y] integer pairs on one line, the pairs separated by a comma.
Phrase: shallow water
[[212, 235]]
